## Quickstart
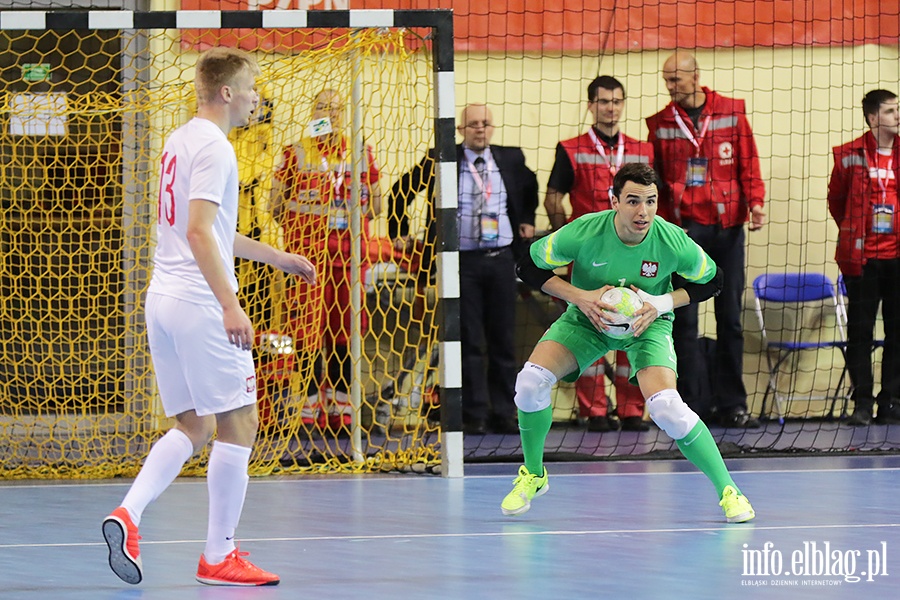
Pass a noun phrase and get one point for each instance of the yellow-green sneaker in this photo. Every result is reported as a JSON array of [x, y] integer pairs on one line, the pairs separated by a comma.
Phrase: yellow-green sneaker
[[526, 487], [736, 506]]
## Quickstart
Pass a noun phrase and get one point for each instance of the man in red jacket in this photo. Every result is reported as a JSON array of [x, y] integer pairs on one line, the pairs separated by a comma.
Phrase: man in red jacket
[[862, 198], [584, 169], [709, 165]]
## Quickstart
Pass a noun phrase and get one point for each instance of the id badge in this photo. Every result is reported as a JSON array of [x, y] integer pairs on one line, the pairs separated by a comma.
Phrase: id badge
[[338, 217], [490, 227], [319, 127], [882, 218], [696, 171]]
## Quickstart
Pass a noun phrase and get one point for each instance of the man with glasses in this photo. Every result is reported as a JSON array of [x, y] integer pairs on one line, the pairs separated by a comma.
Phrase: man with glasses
[[584, 169], [498, 196]]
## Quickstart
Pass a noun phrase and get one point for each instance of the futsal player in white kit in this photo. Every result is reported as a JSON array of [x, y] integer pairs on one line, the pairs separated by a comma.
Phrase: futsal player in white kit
[[200, 337]]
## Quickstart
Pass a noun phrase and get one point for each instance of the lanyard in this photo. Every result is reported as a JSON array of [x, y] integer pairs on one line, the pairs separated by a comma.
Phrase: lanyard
[[336, 180], [484, 185], [620, 152], [690, 136], [882, 183]]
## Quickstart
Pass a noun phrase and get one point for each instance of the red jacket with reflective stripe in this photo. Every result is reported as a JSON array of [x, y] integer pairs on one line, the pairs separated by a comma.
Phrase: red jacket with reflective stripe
[[734, 183], [590, 190], [850, 199]]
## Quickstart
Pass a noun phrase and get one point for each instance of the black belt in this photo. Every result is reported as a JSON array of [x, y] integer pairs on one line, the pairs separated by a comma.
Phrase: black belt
[[488, 252]]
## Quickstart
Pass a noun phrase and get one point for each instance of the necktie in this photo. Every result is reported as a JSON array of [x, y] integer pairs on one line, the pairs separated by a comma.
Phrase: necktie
[[481, 167], [478, 198]]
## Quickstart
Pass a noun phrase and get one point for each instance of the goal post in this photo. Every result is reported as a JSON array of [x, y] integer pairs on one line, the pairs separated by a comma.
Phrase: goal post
[[95, 94]]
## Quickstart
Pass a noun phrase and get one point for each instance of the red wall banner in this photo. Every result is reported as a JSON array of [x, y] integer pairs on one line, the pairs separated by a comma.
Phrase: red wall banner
[[626, 25]]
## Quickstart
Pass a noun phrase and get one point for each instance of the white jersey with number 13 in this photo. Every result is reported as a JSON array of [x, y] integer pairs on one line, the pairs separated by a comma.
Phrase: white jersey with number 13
[[198, 163]]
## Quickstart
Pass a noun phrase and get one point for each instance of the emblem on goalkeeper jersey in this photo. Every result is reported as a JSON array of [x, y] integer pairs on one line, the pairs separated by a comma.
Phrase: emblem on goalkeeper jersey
[[649, 268]]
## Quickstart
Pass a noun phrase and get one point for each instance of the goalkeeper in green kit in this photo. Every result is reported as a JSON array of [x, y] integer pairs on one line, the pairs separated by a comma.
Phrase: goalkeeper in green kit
[[629, 247]]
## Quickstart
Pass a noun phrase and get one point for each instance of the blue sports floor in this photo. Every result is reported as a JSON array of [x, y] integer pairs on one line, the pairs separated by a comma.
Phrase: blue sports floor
[[619, 530]]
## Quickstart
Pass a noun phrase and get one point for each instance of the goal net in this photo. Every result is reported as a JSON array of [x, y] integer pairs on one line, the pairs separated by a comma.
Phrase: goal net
[[347, 377]]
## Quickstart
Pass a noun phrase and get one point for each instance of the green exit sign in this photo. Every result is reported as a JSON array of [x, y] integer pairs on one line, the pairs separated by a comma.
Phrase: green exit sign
[[36, 72]]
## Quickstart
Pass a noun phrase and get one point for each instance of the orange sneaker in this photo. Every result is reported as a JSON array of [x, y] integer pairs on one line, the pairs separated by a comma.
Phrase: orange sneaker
[[234, 570], [122, 537]]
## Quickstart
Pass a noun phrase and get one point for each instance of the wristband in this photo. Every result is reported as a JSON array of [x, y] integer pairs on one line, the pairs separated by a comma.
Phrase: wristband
[[663, 304]]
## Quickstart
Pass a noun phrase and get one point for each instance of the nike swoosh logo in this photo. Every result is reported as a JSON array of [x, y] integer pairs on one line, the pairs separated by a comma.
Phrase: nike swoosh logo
[[598, 264], [623, 326], [694, 439]]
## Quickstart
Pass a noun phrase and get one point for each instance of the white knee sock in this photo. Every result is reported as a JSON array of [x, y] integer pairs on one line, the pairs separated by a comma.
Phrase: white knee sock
[[226, 480], [163, 464]]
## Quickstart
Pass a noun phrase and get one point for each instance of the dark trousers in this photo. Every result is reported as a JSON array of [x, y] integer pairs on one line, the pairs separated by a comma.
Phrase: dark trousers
[[726, 372], [487, 313], [878, 284]]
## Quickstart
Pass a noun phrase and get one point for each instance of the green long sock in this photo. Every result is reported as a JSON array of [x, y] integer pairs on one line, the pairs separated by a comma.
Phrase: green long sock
[[533, 428], [700, 448]]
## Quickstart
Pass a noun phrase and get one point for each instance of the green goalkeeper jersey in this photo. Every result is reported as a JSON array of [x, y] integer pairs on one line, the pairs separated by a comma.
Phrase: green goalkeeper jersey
[[600, 258]]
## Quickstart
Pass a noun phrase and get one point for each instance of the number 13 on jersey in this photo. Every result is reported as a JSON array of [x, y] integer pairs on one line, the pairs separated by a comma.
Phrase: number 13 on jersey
[[166, 193]]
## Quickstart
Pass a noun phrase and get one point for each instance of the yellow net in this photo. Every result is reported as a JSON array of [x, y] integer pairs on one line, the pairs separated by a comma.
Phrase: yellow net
[[83, 120]]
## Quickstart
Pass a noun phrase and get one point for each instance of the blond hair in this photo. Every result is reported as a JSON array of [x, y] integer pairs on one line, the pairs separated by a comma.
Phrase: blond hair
[[217, 67]]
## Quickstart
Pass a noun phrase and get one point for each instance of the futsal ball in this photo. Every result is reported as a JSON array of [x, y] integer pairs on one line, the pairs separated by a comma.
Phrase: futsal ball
[[627, 302]]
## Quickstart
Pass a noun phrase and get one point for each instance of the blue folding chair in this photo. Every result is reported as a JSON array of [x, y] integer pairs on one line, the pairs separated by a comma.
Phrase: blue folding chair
[[796, 289]]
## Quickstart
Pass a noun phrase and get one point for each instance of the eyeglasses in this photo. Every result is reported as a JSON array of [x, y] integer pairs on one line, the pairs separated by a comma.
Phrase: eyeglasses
[[479, 124], [603, 102]]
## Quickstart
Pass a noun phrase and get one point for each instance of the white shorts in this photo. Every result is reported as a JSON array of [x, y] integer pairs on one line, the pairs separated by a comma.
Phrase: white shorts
[[197, 368]]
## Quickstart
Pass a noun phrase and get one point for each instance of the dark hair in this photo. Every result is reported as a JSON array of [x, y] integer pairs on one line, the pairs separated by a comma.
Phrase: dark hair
[[872, 102], [607, 83], [640, 173]]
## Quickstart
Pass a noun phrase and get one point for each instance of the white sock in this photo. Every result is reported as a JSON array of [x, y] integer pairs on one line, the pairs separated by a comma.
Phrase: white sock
[[226, 479], [163, 464]]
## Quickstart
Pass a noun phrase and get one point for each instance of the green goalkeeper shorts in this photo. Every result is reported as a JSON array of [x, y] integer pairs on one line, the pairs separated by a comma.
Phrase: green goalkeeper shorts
[[654, 348]]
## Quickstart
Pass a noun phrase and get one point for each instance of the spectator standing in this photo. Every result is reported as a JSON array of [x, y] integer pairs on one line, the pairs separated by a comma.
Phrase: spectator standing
[[311, 200], [584, 169], [707, 158], [498, 196], [862, 199]]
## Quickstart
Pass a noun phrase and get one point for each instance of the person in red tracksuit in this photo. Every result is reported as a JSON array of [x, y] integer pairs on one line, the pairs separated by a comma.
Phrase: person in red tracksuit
[[584, 169], [707, 158], [310, 199], [862, 199]]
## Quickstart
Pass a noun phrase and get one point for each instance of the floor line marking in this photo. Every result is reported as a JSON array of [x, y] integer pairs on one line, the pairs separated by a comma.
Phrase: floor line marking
[[301, 479], [398, 536]]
